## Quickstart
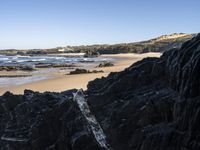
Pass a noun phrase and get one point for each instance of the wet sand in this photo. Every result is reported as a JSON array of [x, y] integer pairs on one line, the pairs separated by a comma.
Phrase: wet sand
[[61, 82]]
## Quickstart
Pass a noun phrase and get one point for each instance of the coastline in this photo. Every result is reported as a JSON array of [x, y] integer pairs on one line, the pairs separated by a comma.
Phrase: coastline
[[61, 82]]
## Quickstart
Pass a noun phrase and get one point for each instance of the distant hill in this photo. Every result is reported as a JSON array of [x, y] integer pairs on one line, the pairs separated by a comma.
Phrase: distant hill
[[159, 44]]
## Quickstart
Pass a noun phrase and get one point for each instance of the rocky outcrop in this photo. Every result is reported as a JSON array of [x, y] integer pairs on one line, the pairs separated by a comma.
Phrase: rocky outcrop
[[91, 53], [48, 121], [152, 105], [84, 71], [105, 64]]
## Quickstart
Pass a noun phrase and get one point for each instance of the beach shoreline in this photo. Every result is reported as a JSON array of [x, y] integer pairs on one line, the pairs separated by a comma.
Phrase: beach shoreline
[[59, 81]]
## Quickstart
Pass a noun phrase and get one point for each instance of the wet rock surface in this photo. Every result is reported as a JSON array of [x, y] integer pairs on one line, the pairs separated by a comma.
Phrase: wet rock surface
[[152, 105]]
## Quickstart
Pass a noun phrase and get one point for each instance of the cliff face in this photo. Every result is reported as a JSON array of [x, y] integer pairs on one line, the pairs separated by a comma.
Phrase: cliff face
[[152, 105]]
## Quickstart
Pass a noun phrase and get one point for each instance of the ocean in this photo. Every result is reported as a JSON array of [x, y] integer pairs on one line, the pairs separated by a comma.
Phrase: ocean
[[32, 60], [40, 74]]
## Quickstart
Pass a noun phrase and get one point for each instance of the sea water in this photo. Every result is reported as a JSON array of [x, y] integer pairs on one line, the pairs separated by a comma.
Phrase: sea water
[[32, 60], [39, 75]]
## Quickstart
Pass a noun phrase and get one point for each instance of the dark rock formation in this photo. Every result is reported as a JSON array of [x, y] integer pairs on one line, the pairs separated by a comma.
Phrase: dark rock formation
[[91, 53], [105, 64], [152, 105], [48, 121], [84, 71], [51, 65]]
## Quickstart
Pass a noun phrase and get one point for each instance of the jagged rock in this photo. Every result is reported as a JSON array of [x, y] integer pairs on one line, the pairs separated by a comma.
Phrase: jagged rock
[[49, 121], [152, 105]]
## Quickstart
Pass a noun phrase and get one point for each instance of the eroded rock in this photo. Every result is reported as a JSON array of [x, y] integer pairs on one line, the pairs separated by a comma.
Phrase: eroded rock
[[153, 104], [50, 121]]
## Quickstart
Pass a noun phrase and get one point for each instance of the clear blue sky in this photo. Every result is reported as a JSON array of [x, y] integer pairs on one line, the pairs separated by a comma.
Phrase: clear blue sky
[[52, 23]]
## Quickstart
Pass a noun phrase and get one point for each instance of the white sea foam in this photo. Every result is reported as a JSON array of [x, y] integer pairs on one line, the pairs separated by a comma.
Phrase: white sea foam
[[42, 59], [3, 59], [45, 59]]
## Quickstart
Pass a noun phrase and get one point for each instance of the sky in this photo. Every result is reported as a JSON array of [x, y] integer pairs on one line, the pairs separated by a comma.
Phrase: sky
[[52, 23]]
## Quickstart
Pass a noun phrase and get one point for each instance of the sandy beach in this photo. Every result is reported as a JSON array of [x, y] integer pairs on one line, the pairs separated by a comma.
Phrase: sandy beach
[[61, 82]]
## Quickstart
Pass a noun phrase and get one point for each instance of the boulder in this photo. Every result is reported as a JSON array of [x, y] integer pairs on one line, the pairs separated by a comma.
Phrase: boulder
[[105, 64]]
